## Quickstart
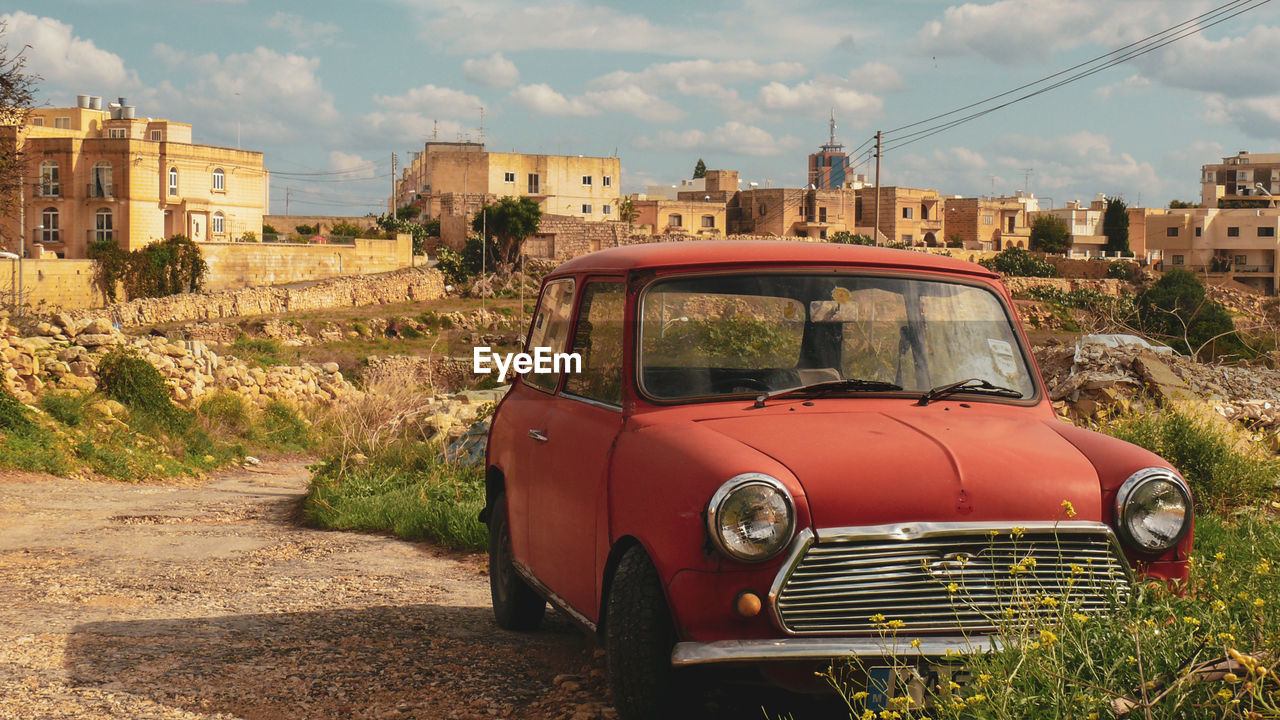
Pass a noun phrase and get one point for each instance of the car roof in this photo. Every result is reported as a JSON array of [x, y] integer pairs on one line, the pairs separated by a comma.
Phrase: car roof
[[738, 253]]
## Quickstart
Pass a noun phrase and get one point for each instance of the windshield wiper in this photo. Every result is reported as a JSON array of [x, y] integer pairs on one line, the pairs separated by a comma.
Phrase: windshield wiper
[[973, 385], [827, 387]]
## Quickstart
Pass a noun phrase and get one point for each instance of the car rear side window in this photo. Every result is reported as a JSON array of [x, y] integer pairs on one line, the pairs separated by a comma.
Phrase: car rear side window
[[551, 329], [598, 339]]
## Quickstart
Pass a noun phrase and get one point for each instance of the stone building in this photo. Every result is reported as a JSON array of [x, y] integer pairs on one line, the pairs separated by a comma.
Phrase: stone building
[[1246, 180], [93, 174], [457, 177], [911, 216], [792, 212], [1239, 243], [990, 223]]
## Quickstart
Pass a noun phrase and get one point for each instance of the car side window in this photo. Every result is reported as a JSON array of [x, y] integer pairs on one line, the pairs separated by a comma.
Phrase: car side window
[[551, 329], [598, 339]]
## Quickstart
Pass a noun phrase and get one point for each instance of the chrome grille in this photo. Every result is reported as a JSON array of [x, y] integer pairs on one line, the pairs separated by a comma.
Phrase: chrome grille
[[947, 578]]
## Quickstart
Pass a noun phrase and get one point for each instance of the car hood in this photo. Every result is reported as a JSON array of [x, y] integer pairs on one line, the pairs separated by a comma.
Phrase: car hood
[[924, 464]]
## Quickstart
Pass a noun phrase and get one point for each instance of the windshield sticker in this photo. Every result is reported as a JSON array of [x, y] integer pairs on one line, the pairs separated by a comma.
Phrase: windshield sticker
[[1004, 357]]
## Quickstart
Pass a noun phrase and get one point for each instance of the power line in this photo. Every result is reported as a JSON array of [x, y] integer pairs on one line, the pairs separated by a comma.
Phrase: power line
[[1220, 15]]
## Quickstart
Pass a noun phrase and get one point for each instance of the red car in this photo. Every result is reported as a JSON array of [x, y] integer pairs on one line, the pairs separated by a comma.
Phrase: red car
[[773, 450]]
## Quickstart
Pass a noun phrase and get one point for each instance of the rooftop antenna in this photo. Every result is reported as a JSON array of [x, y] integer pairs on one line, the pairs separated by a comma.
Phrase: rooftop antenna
[[481, 123], [1026, 179], [435, 129], [833, 125], [993, 185]]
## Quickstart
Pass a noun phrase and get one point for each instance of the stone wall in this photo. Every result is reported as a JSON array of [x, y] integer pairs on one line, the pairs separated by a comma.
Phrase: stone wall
[[245, 265], [287, 223], [51, 283], [396, 287]]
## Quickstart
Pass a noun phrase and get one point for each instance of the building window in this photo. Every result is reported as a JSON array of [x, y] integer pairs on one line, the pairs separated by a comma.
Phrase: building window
[[49, 220], [118, 133], [988, 219], [49, 185], [508, 177], [1266, 232], [103, 231], [586, 180], [173, 181], [1171, 232], [156, 135], [1178, 259], [674, 221], [908, 213], [37, 121], [62, 123], [1242, 260], [219, 180], [218, 226], [606, 181], [1199, 232], [586, 209], [822, 234], [708, 221], [533, 184], [1233, 232], [606, 209], [822, 214], [761, 209], [100, 187], [907, 239]]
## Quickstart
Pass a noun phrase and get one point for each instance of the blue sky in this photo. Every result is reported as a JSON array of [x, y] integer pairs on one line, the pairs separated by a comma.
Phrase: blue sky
[[746, 85]]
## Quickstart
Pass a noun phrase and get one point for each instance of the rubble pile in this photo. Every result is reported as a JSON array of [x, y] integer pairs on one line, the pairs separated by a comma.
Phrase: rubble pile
[[443, 374], [65, 352], [1093, 378], [1245, 303]]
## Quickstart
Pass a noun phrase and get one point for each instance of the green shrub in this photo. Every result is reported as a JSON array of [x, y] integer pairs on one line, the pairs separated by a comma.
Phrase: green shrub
[[346, 229], [1017, 262], [132, 381], [70, 409], [269, 230], [1220, 467], [225, 411], [1121, 270], [1177, 308], [15, 418], [263, 352], [844, 237], [24, 443], [285, 428]]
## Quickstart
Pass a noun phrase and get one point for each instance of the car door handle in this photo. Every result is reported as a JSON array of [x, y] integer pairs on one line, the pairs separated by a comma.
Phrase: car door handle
[[537, 435]]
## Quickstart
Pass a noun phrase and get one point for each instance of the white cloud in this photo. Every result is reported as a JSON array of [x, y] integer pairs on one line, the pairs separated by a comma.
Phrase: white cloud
[[876, 77], [432, 99], [1016, 31], [303, 31], [412, 128], [63, 60], [629, 99], [1130, 84], [494, 71], [691, 77], [817, 96], [272, 96], [732, 137], [358, 167]]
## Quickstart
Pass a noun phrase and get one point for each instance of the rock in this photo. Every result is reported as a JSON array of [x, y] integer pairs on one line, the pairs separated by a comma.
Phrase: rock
[[251, 460], [97, 339], [98, 326], [330, 367]]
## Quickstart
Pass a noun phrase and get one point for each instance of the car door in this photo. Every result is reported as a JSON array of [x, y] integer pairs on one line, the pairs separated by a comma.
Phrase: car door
[[525, 419], [585, 420]]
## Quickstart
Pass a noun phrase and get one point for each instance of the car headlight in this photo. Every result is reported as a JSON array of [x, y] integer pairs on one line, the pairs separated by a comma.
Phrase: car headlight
[[751, 517], [1153, 510]]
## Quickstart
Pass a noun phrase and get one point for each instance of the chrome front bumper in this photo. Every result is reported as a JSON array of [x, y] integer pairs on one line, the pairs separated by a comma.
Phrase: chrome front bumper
[[731, 651]]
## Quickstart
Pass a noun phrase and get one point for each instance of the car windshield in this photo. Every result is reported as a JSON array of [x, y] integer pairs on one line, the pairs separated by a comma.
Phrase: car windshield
[[726, 335]]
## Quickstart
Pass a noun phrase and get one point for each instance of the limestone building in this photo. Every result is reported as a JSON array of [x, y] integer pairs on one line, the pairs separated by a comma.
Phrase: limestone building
[[1246, 180], [93, 174], [1240, 243], [455, 178], [991, 223], [911, 216]]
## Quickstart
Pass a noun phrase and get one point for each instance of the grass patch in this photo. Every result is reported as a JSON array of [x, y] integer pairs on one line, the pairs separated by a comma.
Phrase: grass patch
[[413, 493], [263, 352], [1223, 466]]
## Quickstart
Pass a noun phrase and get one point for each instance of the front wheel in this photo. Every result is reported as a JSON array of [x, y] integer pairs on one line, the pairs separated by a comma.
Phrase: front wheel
[[516, 606], [639, 637]]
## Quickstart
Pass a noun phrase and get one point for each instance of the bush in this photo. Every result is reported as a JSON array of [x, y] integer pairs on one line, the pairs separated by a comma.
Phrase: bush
[[284, 428], [263, 352], [1017, 262], [845, 237], [167, 267], [1121, 270], [249, 236], [133, 382], [1222, 468], [1176, 308], [306, 229], [1050, 234], [346, 229], [14, 416], [70, 409], [269, 230]]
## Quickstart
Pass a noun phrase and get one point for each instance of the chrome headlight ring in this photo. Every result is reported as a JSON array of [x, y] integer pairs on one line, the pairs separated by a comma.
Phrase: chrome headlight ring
[[1148, 504], [750, 511]]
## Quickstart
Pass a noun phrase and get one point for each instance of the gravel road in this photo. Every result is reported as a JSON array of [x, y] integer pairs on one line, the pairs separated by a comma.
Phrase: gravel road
[[208, 600]]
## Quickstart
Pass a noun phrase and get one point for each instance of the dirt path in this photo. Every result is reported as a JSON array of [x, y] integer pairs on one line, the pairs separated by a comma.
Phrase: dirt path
[[208, 601]]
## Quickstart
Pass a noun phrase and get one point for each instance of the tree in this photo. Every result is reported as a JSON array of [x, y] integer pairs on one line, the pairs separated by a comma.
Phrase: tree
[[1050, 234], [17, 97], [699, 170], [627, 212], [505, 227], [1177, 308], [1115, 225], [1181, 204]]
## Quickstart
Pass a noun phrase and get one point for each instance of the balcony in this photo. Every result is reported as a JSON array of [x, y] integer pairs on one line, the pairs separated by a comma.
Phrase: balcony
[[96, 190], [1253, 269]]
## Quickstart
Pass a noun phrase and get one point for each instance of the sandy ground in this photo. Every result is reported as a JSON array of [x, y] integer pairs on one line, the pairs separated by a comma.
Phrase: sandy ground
[[208, 600]]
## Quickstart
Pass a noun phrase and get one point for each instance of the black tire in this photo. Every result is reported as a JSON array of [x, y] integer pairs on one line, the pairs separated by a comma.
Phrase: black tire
[[516, 606], [639, 636]]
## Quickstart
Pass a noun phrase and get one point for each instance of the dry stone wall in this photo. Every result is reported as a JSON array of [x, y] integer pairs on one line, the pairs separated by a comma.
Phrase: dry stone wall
[[397, 287], [66, 357]]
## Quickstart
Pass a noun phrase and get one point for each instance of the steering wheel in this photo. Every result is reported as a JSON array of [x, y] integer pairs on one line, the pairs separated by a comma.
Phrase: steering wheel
[[726, 385]]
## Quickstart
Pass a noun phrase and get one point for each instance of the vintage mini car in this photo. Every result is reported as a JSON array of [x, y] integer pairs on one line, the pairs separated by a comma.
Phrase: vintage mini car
[[774, 450]]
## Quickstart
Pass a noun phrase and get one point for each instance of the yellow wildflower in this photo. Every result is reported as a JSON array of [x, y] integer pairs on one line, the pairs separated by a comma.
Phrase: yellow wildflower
[[1220, 556], [895, 624], [1079, 617], [1047, 637], [1259, 603], [1069, 508], [860, 695], [1017, 532], [1048, 601], [915, 643], [877, 618], [1224, 694], [951, 588], [1191, 621], [1231, 678], [983, 679]]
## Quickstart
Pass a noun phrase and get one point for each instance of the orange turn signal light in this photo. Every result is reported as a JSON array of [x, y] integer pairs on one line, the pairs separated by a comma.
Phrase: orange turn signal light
[[748, 604]]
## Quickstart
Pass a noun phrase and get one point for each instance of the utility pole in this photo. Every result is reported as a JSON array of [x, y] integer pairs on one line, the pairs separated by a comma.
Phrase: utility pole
[[22, 238], [287, 192], [391, 210], [875, 231]]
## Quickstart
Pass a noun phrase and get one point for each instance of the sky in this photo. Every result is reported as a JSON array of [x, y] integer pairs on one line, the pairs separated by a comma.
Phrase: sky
[[749, 85]]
